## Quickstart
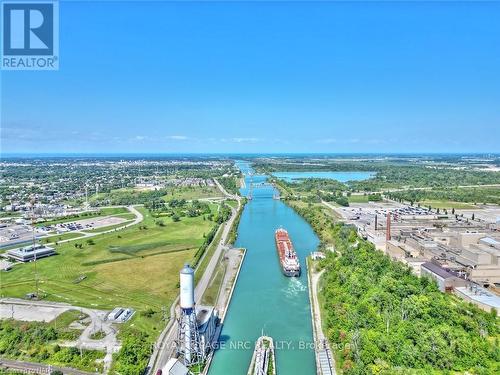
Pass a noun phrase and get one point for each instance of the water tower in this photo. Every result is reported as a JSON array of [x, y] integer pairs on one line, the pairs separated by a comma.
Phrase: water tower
[[189, 343]]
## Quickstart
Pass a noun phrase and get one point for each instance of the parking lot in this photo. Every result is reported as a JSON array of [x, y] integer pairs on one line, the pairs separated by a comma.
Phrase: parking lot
[[85, 224], [29, 313]]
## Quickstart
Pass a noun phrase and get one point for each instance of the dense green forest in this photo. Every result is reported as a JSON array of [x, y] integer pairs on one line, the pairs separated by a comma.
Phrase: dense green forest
[[382, 319], [134, 354], [469, 195], [422, 176], [389, 318]]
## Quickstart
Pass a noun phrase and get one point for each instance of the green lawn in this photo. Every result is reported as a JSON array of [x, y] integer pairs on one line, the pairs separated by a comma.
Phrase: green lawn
[[441, 204], [126, 216], [211, 293], [358, 199], [190, 193], [109, 227], [60, 237], [141, 278], [233, 203]]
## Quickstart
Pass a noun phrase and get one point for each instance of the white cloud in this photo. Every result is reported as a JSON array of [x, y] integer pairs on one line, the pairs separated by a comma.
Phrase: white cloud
[[177, 137], [245, 140]]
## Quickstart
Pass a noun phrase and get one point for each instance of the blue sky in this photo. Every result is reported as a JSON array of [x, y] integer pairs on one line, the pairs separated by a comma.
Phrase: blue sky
[[263, 77]]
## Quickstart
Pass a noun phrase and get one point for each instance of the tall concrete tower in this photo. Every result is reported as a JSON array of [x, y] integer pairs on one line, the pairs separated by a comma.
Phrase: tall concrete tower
[[188, 343]]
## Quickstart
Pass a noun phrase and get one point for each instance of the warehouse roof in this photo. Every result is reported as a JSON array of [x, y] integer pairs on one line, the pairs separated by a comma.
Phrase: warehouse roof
[[441, 272]]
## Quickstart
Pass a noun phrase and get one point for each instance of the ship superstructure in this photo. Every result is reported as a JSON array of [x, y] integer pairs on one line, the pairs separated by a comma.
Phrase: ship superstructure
[[286, 253]]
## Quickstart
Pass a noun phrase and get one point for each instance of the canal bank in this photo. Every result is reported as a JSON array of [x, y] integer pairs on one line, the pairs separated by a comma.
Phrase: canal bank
[[263, 299]]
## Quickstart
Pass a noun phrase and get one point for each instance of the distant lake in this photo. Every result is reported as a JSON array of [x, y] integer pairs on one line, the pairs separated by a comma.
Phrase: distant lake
[[339, 176]]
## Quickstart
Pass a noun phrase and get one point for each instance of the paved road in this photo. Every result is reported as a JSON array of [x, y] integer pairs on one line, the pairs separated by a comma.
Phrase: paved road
[[165, 345]]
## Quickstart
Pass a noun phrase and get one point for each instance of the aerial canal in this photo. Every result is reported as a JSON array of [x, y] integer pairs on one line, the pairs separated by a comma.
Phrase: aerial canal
[[265, 301]]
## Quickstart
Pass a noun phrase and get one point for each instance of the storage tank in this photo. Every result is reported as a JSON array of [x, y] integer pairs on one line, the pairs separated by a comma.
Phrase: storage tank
[[187, 287]]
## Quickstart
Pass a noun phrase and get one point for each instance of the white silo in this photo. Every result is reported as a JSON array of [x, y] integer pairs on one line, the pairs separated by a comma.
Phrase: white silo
[[187, 287], [188, 341]]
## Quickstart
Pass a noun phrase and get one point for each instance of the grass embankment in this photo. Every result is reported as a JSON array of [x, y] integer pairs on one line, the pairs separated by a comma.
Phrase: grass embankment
[[210, 296], [40, 342], [209, 252], [233, 232]]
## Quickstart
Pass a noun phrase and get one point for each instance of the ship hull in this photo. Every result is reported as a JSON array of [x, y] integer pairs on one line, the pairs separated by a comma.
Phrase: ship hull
[[287, 256]]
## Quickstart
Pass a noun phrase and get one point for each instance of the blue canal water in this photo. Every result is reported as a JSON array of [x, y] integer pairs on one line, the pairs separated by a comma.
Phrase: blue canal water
[[264, 300], [339, 176]]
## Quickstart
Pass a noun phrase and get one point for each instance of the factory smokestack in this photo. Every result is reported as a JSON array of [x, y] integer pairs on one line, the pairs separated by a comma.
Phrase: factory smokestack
[[376, 221]]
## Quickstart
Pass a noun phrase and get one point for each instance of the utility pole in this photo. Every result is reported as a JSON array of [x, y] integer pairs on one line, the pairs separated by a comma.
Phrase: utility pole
[[86, 196], [34, 243]]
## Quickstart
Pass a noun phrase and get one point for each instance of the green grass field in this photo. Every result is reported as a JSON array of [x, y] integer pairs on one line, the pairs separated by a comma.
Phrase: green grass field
[[358, 199], [60, 237], [233, 203], [190, 193], [109, 227], [134, 267]]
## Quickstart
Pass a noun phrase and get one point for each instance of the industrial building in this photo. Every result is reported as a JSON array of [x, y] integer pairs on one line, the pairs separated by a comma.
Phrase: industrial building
[[175, 367], [197, 324], [29, 253], [12, 234], [206, 319], [481, 297], [120, 314], [444, 279], [466, 251]]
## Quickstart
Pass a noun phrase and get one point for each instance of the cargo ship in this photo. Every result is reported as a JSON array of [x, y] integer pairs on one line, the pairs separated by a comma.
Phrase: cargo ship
[[263, 360], [287, 255]]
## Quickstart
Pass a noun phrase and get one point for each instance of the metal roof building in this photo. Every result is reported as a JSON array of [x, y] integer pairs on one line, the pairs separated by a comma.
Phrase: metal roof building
[[29, 253]]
